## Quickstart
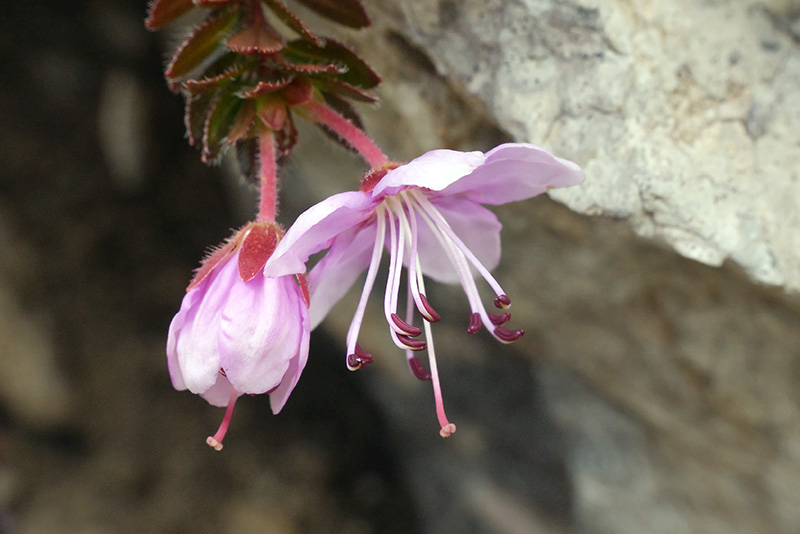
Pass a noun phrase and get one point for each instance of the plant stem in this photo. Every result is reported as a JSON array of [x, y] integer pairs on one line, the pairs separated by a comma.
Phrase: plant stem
[[345, 129]]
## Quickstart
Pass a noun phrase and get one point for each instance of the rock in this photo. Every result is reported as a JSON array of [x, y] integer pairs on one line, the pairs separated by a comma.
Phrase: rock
[[685, 116]]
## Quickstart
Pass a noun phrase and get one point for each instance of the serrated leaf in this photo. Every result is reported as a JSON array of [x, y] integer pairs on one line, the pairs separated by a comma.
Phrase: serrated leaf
[[243, 123], [214, 3], [195, 113], [218, 123], [338, 87], [256, 39], [203, 85], [291, 20], [264, 88], [358, 72], [347, 12], [201, 44], [312, 69], [162, 12]]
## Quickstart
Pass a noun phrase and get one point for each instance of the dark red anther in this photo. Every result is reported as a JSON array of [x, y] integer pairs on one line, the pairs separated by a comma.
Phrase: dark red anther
[[412, 344], [502, 302], [508, 335], [499, 318], [475, 324], [429, 313], [359, 359], [405, 328], [417, 369]]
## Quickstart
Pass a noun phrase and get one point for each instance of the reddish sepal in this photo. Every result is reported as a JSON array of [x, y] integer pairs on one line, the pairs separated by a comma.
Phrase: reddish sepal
[[212, 260], [258, 245], [303, 283]]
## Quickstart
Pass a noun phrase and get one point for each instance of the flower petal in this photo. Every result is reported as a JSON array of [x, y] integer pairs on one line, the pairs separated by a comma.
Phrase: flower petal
[[196, 343], [476, 226], [277, 399], [515, 171], [315, 228], [333, 275], [260, 332], [434, 170], [220, 393]]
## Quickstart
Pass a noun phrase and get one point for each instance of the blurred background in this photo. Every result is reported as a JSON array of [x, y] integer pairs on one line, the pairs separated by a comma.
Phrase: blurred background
[[649, 394]]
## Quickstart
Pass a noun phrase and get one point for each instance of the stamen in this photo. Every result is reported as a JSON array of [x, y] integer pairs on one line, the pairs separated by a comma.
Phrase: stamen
[[499, 318], [404, 327], [442, 224], [508, 335], [502, 302], [412, 344], [372, 272], [358, 359], [447, 427], [474, 323], [417, 369], [429, 313], [215, 441]]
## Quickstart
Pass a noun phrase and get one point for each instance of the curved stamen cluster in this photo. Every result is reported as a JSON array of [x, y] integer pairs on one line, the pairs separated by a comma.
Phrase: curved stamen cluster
[[400, 215]]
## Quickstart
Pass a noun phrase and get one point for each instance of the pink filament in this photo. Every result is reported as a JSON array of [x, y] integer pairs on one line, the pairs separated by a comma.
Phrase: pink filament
[[215, 441]]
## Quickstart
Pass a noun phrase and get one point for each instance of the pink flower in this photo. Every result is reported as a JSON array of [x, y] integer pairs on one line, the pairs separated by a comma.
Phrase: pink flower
[[429, 215], [239, 332]]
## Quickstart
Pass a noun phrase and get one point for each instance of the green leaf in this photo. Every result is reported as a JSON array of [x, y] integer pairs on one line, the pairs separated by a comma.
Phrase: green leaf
[[291, 20], [201, 44], [358, 72], [162, 12], [348, 12], [219, 122], [196, 111]]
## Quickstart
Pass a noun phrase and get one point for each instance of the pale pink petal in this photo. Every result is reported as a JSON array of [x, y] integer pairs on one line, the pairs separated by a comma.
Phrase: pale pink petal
[[434, 170], [260, 332], [315, 228], [196, 342], [185, 314], [220, 393], [513, 172], [476, 226], [333, 275], [277, 399]]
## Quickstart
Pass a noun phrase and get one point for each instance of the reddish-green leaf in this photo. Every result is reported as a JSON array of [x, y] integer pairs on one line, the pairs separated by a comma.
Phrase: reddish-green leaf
[[258, 245], [243, 123], [218, 123], [358, 73], [203, 85], [265, 88], [201, 44], [337, 86], [256, 39], [311, 69], [196, 111], [291, 20], [348, 12], [162, 12], [214, 3]]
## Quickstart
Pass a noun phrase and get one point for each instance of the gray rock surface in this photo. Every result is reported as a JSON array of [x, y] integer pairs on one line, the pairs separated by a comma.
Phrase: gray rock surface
[[685, 115]]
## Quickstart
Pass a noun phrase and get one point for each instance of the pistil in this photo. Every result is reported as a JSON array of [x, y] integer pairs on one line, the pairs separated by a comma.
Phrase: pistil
[[215, 441]]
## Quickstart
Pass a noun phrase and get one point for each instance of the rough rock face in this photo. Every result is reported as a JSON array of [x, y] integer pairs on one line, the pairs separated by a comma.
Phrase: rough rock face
[[663, 392], [685, 114]]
